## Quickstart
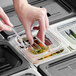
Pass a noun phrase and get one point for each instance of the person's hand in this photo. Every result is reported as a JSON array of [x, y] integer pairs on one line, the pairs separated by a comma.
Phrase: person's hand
[[28, 15], [4, 20]]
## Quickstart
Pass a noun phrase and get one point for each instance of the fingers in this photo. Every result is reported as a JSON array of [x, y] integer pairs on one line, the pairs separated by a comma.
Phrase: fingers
[[29, 34], [43, 25], [46, 22], [5, 18], [41, 33], [4, 27]]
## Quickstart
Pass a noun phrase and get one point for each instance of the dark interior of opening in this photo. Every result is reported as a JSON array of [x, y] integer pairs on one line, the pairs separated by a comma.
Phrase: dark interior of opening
[[8, 59], [29, 74], [71, 2]]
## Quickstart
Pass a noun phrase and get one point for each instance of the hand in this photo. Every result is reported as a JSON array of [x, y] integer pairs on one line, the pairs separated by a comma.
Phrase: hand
[[28, 15], [4, 21]]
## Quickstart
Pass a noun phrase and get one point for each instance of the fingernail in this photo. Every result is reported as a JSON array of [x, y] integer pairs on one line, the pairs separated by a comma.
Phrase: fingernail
[[31, 42], [10, 24]]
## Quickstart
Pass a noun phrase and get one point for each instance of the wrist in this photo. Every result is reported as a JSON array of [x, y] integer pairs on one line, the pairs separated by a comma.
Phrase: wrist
[[19, 4], [20, 1]]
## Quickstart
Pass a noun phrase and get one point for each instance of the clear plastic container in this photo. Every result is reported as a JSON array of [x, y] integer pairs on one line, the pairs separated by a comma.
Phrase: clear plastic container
[[39, 50], [68, 30]]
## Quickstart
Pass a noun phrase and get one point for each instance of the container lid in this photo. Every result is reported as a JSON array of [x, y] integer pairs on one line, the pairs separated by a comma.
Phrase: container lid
[[68, 31], [10, 60], [64, 66]]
